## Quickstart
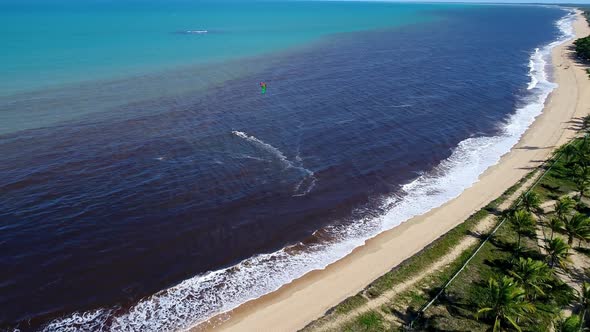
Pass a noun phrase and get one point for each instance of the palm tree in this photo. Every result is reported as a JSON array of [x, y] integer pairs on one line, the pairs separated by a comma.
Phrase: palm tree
[[572, 323], [583, 153], [564, 206], [584, 150], [577, 153], [585, 299], [522, 221], [556, 225], [570, 152], [505, 303], [532, 275], [577, 226], [558, 252], [586, 122], [581, 177], [530, 202]]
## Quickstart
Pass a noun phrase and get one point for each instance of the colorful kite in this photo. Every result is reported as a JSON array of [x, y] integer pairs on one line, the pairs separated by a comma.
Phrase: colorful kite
[[262, 87]]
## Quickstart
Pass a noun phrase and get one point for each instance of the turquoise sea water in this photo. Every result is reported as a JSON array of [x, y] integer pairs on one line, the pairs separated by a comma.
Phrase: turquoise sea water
[[51, 43]]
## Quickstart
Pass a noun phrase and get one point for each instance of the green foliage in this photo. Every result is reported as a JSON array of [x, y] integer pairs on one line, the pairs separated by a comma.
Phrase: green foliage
[[564, 206], [577, 226], [532, 275], [555, 224], [586, 119], [505, 303], [370, 321], [585, 295], [351, 303], [558, 252], [522, 221], [571, 171], [581, 177], [530, 202], [572, 323], [538, 284], [583, 47], [418, 262], [578, 153]]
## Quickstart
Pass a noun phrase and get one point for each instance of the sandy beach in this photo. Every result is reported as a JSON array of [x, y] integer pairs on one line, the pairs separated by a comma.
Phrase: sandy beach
[[295, 305]]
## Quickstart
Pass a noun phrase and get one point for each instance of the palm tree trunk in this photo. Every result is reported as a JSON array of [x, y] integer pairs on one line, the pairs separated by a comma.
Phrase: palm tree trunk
[[497, 327]]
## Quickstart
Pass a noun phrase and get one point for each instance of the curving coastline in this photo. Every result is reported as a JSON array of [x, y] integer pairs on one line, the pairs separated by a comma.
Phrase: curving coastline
[[317, 291]]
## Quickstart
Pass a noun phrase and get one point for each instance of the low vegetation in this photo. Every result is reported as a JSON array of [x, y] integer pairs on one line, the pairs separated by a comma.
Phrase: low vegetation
[[525, 279], [582, 45]]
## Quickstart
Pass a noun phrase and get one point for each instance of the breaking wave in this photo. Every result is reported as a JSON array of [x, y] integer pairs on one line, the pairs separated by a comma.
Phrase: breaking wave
[[204, 296]]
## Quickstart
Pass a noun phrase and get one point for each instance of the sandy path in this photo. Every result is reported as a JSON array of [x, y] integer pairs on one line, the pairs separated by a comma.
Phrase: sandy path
[[296, 304]]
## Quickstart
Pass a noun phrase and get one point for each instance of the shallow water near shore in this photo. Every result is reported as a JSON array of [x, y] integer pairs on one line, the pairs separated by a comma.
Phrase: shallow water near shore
[[210, 197]]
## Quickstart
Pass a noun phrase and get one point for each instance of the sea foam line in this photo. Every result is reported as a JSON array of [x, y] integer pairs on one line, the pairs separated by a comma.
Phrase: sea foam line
[[201, 297]]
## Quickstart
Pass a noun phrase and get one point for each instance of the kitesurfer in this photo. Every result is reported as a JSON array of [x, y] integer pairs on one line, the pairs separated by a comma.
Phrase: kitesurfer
[[262, 87]]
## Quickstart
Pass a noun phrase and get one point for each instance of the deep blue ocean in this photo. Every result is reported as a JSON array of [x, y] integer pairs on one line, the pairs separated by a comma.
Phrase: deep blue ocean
[[153, 194]]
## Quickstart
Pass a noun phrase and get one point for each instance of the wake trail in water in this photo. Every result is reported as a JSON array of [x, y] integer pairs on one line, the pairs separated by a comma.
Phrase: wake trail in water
[[278, 154], [309, 180]]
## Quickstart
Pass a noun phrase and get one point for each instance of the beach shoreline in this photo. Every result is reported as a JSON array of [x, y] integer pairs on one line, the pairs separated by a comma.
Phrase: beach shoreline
[[300, 302]]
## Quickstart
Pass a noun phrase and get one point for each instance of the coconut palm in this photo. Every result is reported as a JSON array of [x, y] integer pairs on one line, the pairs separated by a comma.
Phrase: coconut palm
[[586, 122], [522, 221], [577, 226], [505, 303], [555, 225], [532, 275], [572, 323], [583, 148], [530, 202], [581, 178], [564, 206], [570, 152], [574, 153], [585, 299], [558, 252]]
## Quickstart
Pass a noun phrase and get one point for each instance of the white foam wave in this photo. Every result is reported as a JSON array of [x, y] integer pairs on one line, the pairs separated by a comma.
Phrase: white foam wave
[[197, 32], [93, 320], [536, 67], [201, 297]]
